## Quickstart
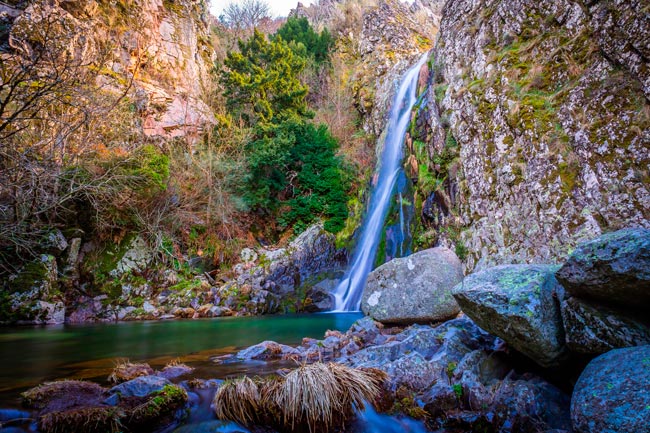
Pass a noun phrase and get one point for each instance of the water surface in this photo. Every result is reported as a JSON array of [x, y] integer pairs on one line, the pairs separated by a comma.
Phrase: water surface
[[31, 355]]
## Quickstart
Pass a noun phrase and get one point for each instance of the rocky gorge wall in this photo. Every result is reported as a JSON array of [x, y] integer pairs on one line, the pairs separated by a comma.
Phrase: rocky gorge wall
[[159, 50], [537, 126]]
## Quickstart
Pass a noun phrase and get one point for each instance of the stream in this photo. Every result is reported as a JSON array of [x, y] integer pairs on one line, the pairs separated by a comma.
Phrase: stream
[[32, 355]]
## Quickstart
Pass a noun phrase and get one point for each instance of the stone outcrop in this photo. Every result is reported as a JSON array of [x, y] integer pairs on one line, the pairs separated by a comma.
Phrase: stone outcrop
[[539, 125], [278, 274], [414, 289], [592, 328], [515, 302], [613, 268], [612, 393], [161, 50]]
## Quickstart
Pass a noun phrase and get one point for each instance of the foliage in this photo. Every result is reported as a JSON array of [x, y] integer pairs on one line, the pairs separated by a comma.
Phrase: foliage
[[293, 172], [299, 32], [261, 82], [297, 172]]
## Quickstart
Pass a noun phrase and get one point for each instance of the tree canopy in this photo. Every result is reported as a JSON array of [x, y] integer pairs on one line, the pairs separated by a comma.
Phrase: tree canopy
[[262, 82]]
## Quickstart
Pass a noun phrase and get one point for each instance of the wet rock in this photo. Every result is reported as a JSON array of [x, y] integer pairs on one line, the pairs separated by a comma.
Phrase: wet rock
[[613, 392], [522, 200], [516, 303], [613, 268], [265, 350], [318, 298], [414, 289], [174, 371], [592, 328], [140, 386], [525, 402], [284, 270]]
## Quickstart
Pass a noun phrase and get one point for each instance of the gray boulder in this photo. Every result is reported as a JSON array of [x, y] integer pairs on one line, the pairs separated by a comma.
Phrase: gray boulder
[[414, 289], [592, 328], [612, 393], [516, 303], [614, 268], [140, 386]]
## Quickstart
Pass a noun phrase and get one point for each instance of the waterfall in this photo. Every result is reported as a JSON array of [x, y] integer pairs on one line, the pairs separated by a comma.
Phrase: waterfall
[[347, 294]]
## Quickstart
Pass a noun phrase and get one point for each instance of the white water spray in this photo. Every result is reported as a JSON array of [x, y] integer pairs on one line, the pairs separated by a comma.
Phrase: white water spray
[[347, 294]]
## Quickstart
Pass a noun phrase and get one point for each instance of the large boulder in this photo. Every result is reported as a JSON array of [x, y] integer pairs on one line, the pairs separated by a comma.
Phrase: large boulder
[[592, 328], [612, 393], [414, 289], [516, 303], [614, 268]]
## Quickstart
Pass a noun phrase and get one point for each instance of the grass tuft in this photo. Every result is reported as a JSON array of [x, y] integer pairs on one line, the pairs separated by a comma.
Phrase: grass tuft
[[125, 371], [317, 397], [84, 420]]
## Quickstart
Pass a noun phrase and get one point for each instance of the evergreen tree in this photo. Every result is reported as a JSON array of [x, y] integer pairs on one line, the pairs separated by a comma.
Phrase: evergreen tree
[[262, 83], [300, 32]]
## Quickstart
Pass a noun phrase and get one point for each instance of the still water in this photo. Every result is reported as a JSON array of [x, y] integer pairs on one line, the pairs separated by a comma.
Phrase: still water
[[31, 355]]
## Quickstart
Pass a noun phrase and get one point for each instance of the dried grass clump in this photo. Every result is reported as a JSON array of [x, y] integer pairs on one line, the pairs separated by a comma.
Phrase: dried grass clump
[[316, 396], [85, 420], [176, 362], [125, 371], [238, 400]]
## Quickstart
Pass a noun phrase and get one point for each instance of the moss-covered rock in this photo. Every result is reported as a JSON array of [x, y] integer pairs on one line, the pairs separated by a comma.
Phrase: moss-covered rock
[[614, 268], [612, 393], [517, 303]]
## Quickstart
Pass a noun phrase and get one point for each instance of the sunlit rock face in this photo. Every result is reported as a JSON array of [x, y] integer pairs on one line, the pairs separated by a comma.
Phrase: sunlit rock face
[[548, 104], [156, 51]]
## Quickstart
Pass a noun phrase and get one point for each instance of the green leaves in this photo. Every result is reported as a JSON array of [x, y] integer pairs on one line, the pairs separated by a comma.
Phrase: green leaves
[[293, 173]]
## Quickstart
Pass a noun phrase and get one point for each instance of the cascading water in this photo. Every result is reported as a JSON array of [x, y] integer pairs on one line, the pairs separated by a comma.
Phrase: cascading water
[[347, 294]]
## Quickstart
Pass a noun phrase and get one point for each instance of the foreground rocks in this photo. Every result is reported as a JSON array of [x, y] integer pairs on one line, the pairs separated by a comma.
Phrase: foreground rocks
[[613, 268], [414, 289], [454, 375], [516, 303], [527, 307], [613, 393]]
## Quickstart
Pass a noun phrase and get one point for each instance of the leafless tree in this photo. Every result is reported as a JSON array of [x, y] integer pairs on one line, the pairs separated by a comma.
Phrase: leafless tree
[[243, 18]]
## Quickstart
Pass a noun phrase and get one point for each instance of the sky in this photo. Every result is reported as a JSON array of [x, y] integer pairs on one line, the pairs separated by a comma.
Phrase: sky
[[278, 7]]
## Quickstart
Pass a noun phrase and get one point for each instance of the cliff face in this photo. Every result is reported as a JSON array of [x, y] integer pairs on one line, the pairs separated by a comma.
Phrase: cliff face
[[389, 43], [546, 106], [158, 47]]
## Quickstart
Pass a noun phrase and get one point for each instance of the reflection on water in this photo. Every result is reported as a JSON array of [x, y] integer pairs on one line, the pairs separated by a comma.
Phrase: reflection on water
[[31, 355]]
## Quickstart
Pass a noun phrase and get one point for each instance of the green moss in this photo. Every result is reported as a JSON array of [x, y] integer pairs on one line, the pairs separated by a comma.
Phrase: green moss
[[173, 6], [161, 404]]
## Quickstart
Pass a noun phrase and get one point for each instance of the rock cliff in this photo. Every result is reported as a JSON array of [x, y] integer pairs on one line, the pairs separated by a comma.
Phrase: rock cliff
[[538, 126], [156, 50]]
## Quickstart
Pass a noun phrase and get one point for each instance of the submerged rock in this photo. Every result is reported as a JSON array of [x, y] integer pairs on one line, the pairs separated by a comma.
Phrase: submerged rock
[[614, 268], [414, 289], [516, 303], [265, 350], [613, 392], [140, 386]]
